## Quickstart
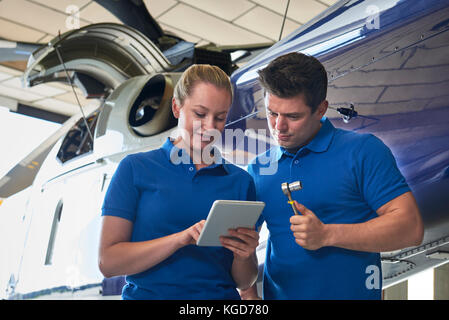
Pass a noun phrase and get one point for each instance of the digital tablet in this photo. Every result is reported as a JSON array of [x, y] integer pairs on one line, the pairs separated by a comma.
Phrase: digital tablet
[[228, 214]]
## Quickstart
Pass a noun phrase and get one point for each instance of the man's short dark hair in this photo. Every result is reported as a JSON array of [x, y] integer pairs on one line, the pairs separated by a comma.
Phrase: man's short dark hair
[[293, 74]]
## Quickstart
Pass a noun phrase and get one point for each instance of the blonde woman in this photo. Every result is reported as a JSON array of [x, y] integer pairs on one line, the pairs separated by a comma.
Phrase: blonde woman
[[157, 203]]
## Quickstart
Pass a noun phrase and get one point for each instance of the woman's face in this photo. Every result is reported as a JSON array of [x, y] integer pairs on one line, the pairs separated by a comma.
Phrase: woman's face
[[202, 115]]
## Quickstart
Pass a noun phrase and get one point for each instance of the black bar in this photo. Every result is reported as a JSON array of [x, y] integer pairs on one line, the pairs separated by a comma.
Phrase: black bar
[[41, 114]]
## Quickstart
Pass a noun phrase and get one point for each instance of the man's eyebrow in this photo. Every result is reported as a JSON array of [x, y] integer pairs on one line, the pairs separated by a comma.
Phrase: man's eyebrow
[[286, 114]]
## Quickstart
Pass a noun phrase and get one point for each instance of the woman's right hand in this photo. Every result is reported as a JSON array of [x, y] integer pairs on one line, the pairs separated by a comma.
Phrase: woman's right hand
[[190, 235]]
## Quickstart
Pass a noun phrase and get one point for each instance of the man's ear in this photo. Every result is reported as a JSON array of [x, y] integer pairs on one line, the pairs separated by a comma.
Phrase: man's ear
[[176, 109], [322, 108]]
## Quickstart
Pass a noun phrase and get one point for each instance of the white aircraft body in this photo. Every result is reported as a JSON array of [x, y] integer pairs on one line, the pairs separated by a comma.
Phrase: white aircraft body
[[50, 248]]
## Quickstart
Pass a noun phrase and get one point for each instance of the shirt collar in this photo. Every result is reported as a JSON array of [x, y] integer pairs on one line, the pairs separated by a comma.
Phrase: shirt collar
[[320, 143], [179, 158]]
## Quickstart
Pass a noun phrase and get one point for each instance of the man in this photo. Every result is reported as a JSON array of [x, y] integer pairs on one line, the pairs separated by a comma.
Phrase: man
[[354, 203]]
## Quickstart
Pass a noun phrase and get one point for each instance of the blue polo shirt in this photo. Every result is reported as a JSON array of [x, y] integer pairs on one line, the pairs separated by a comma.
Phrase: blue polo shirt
[[162, 193], [346, 177]]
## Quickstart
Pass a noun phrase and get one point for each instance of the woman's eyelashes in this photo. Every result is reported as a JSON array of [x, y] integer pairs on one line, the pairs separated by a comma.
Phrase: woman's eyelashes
[[200, 115], [203, 115]]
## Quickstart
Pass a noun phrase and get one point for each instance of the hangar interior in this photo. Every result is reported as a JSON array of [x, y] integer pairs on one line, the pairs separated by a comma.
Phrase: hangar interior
[[229, 23], [223, 23]]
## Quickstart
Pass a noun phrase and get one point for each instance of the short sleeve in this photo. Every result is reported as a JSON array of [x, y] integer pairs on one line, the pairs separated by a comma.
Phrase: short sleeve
[[251, 194], [251, 172], [122, 195], [250, 169], [378, 176]]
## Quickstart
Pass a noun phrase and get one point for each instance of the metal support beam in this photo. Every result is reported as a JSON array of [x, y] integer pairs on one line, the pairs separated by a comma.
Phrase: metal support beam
[[397, 292], [441, 282]]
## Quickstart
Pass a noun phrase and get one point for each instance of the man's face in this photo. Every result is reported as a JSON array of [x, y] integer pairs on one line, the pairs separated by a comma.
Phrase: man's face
[[291, 121]]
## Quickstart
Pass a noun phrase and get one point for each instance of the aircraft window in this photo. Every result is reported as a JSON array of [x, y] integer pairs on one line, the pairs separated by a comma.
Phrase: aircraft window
[[54, 229], [78, 141]]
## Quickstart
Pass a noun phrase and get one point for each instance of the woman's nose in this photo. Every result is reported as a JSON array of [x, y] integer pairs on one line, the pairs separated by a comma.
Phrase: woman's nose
[[209, 123]]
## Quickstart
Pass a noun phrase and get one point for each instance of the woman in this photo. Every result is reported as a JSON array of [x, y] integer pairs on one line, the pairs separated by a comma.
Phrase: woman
[[155, 206]]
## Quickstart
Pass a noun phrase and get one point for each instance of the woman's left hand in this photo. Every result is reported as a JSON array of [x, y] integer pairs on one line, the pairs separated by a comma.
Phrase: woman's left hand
[[241, 241]]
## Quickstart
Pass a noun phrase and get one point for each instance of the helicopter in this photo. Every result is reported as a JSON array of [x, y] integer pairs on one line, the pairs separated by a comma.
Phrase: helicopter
[[387, 64]]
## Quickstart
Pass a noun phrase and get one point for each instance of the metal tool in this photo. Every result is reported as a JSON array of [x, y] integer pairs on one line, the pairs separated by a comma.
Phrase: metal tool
[[288, 188]]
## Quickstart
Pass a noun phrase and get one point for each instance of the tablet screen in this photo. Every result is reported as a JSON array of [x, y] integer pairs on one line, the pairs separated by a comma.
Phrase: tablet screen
[[228, 214]]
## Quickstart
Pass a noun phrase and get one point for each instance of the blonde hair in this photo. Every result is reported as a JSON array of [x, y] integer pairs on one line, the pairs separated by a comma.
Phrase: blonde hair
[[200, 73]]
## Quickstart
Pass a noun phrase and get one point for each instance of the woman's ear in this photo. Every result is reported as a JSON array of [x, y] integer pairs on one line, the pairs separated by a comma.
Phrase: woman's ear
[[175, 108]]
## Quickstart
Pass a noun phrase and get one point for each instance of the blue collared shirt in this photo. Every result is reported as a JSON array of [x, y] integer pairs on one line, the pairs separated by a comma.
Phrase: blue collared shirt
[[346, 177], [162, 193]]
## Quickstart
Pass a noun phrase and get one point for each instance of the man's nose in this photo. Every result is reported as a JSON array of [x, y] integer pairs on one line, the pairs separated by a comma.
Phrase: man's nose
[[281, 123]]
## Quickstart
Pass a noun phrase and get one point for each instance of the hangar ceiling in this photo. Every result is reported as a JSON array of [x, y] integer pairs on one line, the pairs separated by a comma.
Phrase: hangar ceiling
[[223, 22]]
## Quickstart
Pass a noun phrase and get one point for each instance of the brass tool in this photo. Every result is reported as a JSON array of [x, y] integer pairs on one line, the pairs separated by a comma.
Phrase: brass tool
[[288, 188]]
